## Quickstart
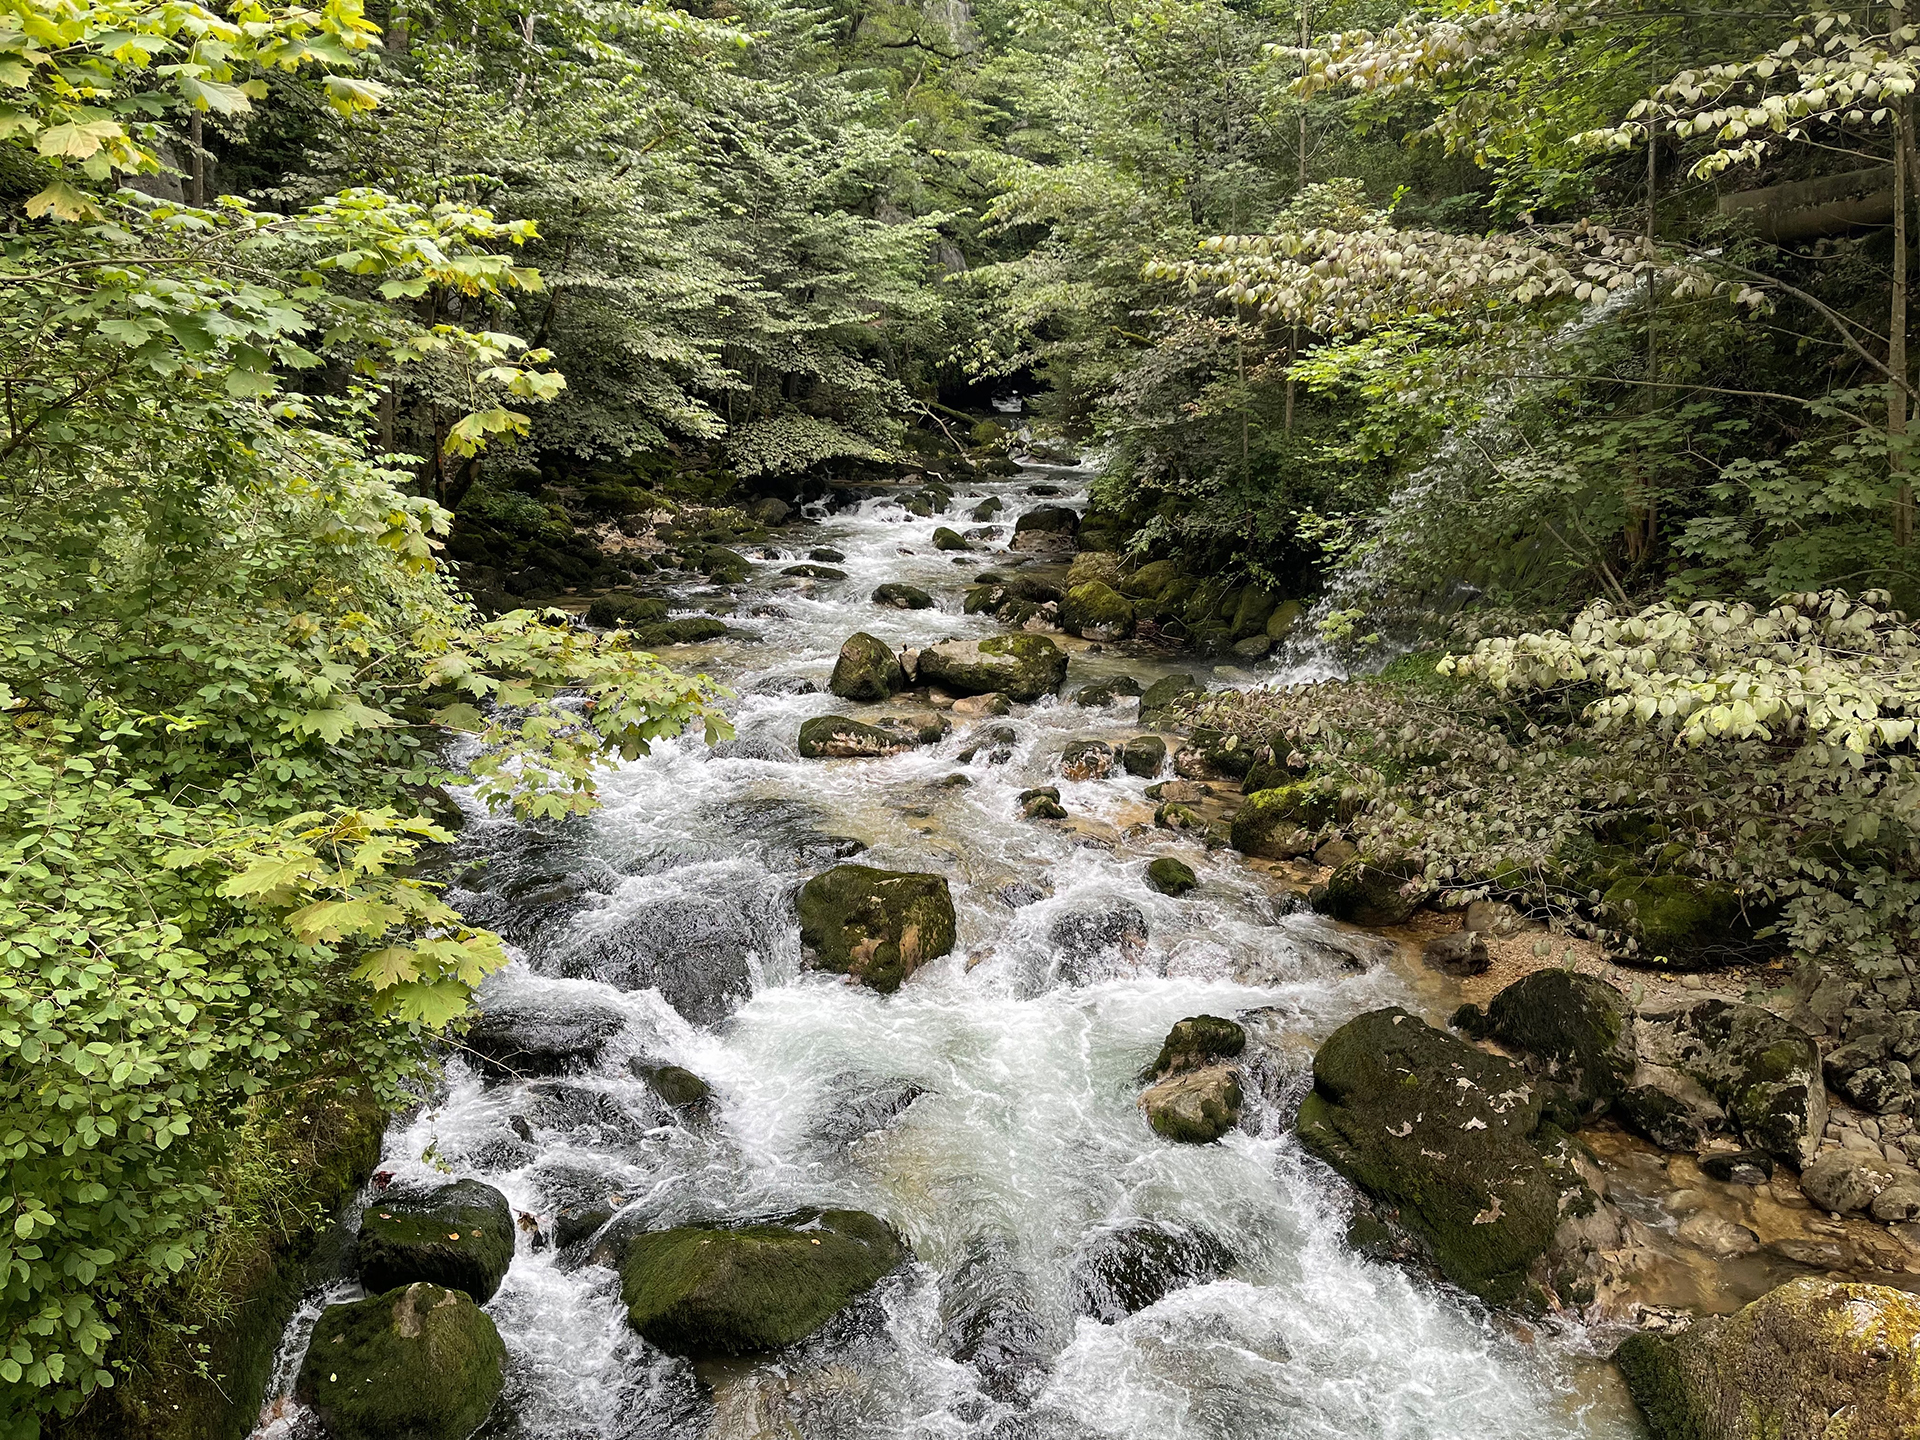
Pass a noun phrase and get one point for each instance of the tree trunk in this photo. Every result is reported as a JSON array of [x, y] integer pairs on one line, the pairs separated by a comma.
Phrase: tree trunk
[[197, 197], [1897, 338]]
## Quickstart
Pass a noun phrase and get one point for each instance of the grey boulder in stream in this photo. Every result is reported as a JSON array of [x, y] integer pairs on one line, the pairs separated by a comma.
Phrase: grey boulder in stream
[[877, 926], [1022, 667], [736, 1290]]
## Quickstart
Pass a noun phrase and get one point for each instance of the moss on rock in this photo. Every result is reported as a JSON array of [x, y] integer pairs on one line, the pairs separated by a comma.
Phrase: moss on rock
[[1278, 824], [416, 1363], [1195, 1107], [459, 1236], [1577, 1028], [1144, 755], [1443, 1132], [1814, 1358], [1022, 667], [867, 669], [1096, 611], [1679, 921], [878, 926], [1197, 1042], [741, 1289], [1167, 692], [901, 596], [1364, 892], [1170, 876]]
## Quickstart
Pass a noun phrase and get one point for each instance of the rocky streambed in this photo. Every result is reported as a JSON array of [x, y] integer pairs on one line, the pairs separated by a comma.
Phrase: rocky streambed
[[925, 1061]]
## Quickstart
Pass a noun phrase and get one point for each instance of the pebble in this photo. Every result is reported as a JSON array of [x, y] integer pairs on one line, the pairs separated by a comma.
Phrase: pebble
[[1855, 1140], [1870, 1129]]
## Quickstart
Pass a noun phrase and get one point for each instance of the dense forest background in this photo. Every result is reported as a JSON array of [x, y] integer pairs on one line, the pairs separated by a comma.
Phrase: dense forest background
[[1574, 325]]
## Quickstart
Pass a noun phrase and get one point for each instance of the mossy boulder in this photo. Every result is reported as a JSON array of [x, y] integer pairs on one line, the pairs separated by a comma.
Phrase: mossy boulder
[[1250, 612], [1764, 1071], [1365, 892], [415, 1363], [1813, 1360], [674, 1084], [878, 926], [1170, 876], [459, 1236], [815, 572], [1022, 667], [1444, 1133], [866, 670], [1278, 824], [1678, 921], [1196, 1043], [1144, 755], [1047, 528], [741, 1289], [1096, 611], [721, 565], [1095, 565], [1167, 692], [836, 737], [1150, 580], [611, 611], [1286, 615], [899, 595], [1575, 1029], [1195, 1107], [945, 538]]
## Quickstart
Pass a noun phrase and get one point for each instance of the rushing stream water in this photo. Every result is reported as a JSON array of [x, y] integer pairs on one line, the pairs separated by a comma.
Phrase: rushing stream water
[[987, 1109]]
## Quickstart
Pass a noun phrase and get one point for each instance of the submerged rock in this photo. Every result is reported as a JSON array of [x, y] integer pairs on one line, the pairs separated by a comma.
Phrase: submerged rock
[[989, 1320], [737, 1290], [1138, 1263], [1442, 1131], [521, 1036], [1812, 1360], [416, 1363], [674, 1084], [459, 1236], [696, 949], [878, 926], [1090, 945], [866, 670], [1022, 667]]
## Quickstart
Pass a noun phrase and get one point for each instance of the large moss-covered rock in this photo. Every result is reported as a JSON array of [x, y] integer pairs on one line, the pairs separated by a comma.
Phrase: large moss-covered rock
[[459, 1236], [1443, 1133], [878, 926], [1576, 1029], [1679, 921], [614, 610], [1170, 876], [1365, 892], [1149, 580], [416, 1363], [735, 1290], [1022, 667], [1096, 611], [1278, 824], [1196, 1043], [837, 737], [866, 670], [1250, 612], [687, 630], [1763, 1070], [1813, 1360], [899, 595], [945, 538]]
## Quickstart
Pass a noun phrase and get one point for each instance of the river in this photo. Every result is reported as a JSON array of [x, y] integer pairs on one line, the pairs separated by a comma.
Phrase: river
[[987, 1109]]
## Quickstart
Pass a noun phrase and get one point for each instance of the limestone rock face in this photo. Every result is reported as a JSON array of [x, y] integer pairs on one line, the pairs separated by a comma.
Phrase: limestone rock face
[[741, 1289], [1443, 1133], [1812, 1360], [1021, 667], [878, 926], [416, 1363]]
